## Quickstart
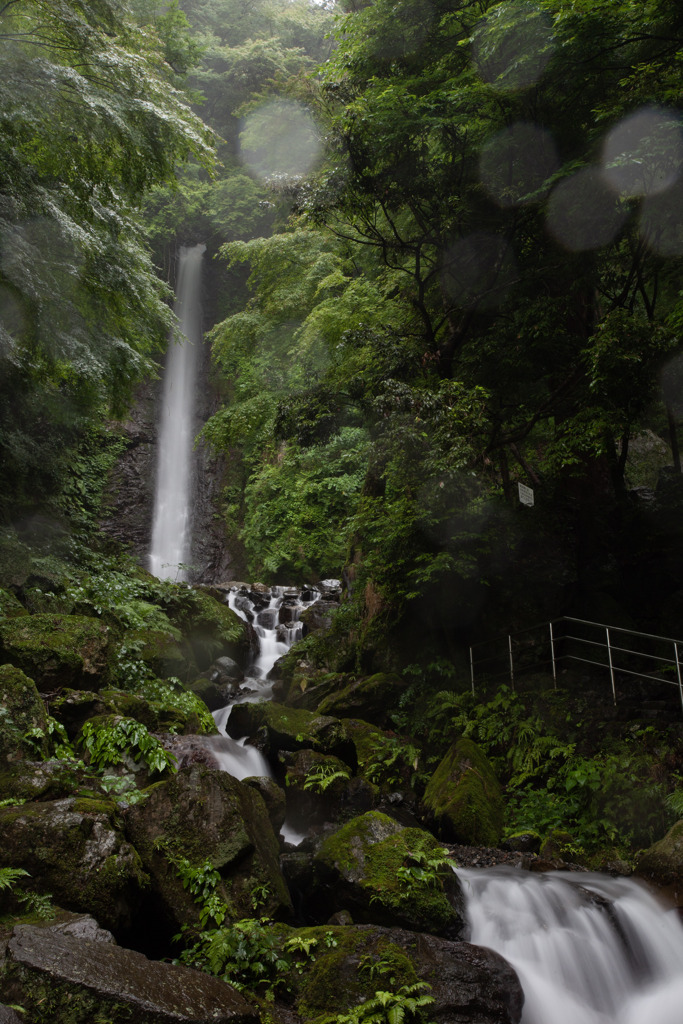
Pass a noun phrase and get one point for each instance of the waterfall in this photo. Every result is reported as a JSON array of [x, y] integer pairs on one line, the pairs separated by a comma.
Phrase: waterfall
[[172, 524], [588, 949]]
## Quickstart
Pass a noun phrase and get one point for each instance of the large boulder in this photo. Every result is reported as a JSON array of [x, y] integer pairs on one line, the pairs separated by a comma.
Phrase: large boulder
[[320, 788], [205, 814], [285, 728], [23, 719], [211, 629], [73, 852], [10, 606], [469, 984], [371, 698], [57, 650], [662, 863], [61, 979], [74, 707], [463, 798], [386, 874]]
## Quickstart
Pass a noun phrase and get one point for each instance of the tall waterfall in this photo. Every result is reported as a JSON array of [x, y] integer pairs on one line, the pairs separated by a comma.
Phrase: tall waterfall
[[588, 949], [172, 523]]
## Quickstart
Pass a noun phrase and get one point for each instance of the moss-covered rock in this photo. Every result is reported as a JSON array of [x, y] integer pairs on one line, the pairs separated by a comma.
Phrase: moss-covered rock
[[467, 983], [274, 798], [371, 699], [160, 651], [74, 707], [57, 650], [10, 606], [284, 728], [73, 851], [211, 629], [15, 560], [662, 863], [463, 797], [23, 719], [204, 814], [42, 780], [384, 873]]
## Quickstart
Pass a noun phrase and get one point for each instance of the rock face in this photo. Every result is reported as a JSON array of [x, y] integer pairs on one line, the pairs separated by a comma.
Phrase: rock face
[[662, 864], [76, 855], [380, 872], [204, 814], [21, 711], [469, 984], [463, 797], [57, 650], [60, 979], [369, 699]]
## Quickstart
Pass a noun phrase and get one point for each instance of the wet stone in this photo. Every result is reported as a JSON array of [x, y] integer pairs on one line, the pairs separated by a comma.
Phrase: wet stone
[[81, 977]]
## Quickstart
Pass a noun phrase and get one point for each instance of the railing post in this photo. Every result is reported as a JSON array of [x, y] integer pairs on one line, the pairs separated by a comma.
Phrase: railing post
[[552, 654], [678, 673], [512, 665], [472, 669], [611, 666]]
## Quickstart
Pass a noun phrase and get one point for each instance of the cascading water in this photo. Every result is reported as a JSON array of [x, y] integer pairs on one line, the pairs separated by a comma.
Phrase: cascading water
[[264, 609], [588, 949], [171, 531]]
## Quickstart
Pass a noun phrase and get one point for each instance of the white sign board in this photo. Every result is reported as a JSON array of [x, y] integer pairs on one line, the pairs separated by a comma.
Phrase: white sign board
[[526, 495]]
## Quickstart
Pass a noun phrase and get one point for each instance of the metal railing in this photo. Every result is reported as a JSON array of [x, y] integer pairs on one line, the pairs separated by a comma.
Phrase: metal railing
[[548, 644]]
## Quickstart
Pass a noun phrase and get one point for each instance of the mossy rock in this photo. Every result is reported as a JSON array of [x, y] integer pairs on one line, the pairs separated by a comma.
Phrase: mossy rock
[[42, 780], [308, 687], [370, 867], [15, 561], [367, 739], [320, 788], [160, 651], [662, 863], [349, 963], [74, 852], [57, 650], [202, 813], [463, 798], [211, 629], [288, 728], [558, 845], [10, 606], [74, 707], [371, 699], [22, 712]]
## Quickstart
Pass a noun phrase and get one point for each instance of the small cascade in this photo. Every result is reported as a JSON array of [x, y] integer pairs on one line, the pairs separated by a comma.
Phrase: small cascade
[[172, 525], [274, 612], [588, 949]]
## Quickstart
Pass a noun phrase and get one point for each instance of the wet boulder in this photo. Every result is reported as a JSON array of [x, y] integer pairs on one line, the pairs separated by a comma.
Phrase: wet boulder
[[463, 799], [74, 707], [57, 650], [662, 863], [63, 979], [469, 984], [199, 815], [285, 728], [274, 797], [386, 874], [161, 652], [23, 719], [319, 616], [370, 699], [211, 629], [73, 852]]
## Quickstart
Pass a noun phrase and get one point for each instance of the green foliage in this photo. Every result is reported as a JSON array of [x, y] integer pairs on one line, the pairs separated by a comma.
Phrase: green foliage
[[421, 870], [407, 1004], [321, 777], [202, 882], [8, 876], [113, 742], [394, 762], [247, 955]]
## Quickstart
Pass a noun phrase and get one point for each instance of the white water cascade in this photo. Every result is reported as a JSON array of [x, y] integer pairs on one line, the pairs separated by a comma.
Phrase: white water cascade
[[172, 522], [588, 949]]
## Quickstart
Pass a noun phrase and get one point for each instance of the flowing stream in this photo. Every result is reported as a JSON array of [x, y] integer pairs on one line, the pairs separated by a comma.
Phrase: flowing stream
[[588, 949], [172, 521]]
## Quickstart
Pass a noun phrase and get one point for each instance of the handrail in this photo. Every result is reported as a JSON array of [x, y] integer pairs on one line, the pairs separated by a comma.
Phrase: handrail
[[555, 639]]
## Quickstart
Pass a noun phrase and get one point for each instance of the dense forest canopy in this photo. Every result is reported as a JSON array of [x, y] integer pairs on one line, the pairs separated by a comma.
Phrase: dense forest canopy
[[449, 239]]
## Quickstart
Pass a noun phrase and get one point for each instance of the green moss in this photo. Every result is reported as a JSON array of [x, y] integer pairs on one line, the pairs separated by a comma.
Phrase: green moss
[[370, 698], [22, 714], [57, 650], [10, 606], [366, 856], [463, 797]]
